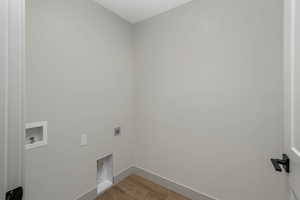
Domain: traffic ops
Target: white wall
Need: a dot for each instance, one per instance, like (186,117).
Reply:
(210,97)
(79,79)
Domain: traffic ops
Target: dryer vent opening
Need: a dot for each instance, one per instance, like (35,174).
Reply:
(104,173)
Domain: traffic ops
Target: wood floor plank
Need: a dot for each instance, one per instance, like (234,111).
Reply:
(137,188)
(133,189)
(150,186)
(175,196)
(155,196)
(115,194)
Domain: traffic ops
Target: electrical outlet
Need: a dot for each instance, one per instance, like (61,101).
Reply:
(117,131)
(83,141)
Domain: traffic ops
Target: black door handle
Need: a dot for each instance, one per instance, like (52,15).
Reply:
(285,162)
(16,194)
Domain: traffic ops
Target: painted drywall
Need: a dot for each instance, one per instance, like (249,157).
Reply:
(79,79)
(209,93)
(138,10)
(210,97)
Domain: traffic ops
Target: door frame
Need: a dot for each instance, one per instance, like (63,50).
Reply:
(3,94)
(12,91)
(289,88)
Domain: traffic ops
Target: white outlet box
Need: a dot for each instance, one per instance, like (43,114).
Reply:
(36,134)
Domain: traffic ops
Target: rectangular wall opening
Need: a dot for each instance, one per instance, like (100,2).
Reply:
(36,134)
(104,173)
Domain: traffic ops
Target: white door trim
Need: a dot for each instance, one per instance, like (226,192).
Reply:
(21,9)
(292,73)
(17,42)
(291,17)
(4,94)
(12,79)
(5,101)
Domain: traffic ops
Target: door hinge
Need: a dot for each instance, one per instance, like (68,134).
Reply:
(284,162)
(16,194)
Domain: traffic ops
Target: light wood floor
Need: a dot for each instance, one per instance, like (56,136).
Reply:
(138,188)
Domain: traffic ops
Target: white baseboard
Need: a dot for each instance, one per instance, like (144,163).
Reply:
(90,195)
(172,185)
(167,183)
(293,196)
(124,174)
